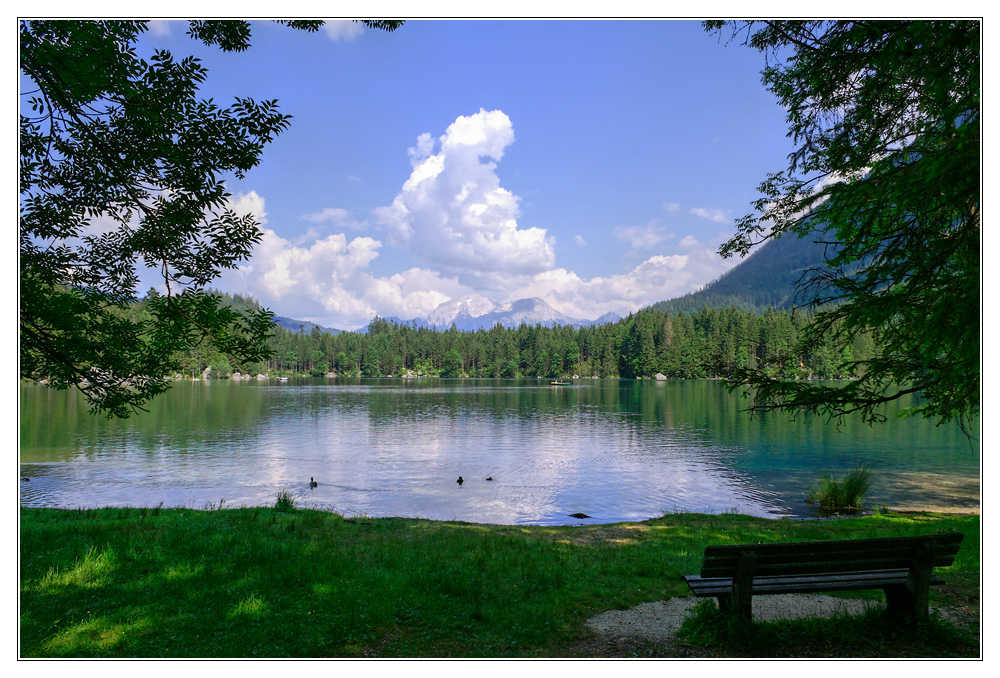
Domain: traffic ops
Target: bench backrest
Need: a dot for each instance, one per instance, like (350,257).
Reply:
(849,555)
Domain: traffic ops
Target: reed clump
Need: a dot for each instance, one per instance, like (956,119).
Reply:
(285,502)
(842,494)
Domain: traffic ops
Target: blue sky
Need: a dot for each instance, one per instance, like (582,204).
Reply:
(597,165)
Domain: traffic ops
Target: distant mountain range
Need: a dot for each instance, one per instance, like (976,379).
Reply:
(767,278)
(471,313)
(476,312)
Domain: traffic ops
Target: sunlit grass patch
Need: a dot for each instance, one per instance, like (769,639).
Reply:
(252,605)
(94,635)
(94,569)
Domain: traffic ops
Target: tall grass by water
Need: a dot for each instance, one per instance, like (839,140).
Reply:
(259,582)
(842,494)
(284,501)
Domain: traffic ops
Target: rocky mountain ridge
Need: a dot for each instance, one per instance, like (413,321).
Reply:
(476,312)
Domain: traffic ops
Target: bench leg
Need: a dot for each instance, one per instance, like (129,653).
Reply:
(727,605)
(739,602)
(898,602)
(904,604)
(911,600)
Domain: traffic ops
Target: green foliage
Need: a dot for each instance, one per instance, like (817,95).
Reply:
(452,364)
(122,165)
(885,115)
(847,493)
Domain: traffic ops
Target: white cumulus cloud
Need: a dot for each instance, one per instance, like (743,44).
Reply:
(657,278)
(643,237)
(328,281)
(337,216)
(343,30)
(161,28)
(453,214)
(715,215)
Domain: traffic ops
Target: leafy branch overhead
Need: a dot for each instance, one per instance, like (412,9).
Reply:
(885,119)
(121,165)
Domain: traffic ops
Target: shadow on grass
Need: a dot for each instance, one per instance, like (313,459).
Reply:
(842,635)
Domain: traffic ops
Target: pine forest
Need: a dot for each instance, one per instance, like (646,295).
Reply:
(707,343)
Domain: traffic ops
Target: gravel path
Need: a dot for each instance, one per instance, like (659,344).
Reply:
(659,621)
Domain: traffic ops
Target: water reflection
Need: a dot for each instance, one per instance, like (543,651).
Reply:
(613,450)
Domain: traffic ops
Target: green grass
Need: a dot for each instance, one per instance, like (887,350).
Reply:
(259,582)
(864,635)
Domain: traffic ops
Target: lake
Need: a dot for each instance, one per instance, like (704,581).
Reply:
(613,450)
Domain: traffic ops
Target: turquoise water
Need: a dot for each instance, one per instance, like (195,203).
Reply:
(613,450)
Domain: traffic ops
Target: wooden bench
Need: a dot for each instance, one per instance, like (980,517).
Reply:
(901,566)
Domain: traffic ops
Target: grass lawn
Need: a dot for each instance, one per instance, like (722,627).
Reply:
(260,582)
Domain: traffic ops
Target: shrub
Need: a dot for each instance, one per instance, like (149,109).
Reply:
(285,502)
(844,494)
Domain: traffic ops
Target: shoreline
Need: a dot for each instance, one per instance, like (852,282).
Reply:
(907,510)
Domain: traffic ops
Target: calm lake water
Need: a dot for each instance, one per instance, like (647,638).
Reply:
(614,450)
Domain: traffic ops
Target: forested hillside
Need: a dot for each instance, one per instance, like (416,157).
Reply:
(766,279)
(707,343)
(303,325)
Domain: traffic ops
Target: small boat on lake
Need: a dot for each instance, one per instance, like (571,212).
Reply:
(559,382)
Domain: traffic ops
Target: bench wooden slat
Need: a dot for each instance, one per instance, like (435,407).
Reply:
(948,543)
(876,544)
(835,585)
(716,586)
(815,567)
(718,560)
(845,555)
(878,577)
(890,544)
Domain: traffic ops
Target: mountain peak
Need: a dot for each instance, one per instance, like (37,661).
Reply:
(476,312)
(471,306)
